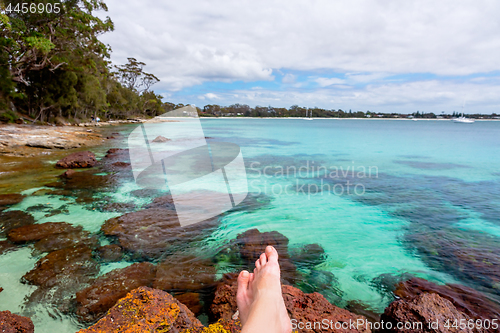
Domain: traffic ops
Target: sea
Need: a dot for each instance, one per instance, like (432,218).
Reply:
(383,198)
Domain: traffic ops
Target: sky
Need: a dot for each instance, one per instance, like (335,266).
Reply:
(382,56)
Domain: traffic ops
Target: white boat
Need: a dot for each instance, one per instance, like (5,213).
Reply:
(310,116)
(463,120)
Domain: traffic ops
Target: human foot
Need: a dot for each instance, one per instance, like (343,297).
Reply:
(260,302)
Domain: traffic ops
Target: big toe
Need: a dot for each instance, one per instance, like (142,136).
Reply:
(271,253)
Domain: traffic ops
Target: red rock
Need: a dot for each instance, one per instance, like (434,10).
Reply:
(301,307)
(10,199)
(467,300)
(252,243)
(68,174)
(71,264)
(165,202)
(36,232)
(185,272)
(110,252)
(423,311)
(95,300)
(191,300)
(147,310)
(14,219)
(121,164)
(1,289)
(149,233)
(116,151)
(314,307)
(67,239)
(6,246)
(82,159)
(12,323)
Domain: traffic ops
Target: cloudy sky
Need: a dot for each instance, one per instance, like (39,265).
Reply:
(385,55)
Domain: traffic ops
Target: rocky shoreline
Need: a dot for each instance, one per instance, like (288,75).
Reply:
(31,140)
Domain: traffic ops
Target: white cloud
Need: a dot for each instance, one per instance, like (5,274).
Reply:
(186,43)
(289,78)
(325,82)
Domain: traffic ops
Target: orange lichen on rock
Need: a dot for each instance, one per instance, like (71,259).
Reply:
(146,310)
(222,326)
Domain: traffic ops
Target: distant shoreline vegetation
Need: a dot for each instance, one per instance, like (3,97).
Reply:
(295,111)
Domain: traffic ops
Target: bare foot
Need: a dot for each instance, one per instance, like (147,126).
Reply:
(260,303)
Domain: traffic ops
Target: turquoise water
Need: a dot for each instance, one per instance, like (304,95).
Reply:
(367,191)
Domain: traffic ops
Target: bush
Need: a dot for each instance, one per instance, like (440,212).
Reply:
(8,116)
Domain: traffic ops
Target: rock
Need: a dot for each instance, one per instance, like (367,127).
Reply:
(116,153)
(82,159)
(71,265)
(467,300)
(121,164)
(68,174)
(67,239)
(185,273)
(10,199)
(425,310)
(252,243)
(224,304)
(301,307)
(191,300)
(12,323)
(160,139)
(94,301)
(165,202)
(147,310)
(14,219)
(151,232)
(109,253)
(148,193)
(1,289)
(6,246)
(40,231)
(119,207)
(309,256)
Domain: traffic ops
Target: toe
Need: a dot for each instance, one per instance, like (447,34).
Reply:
(257,264)
(263,259)
(252,276)
(243,280)
(271,253)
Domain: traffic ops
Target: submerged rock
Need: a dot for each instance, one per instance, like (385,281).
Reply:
(13,323)
(426,313)
(252,243)
(185,272)
(81,159)
(67,239)
(40,231)
(14,219)
(10,199)
(94,301)
(151,232)
(147,310)
(109,253)
(6,246)
(73,266)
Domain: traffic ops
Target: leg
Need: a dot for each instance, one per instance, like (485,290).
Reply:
(259,298)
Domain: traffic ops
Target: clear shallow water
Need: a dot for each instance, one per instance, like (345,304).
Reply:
(413,178)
